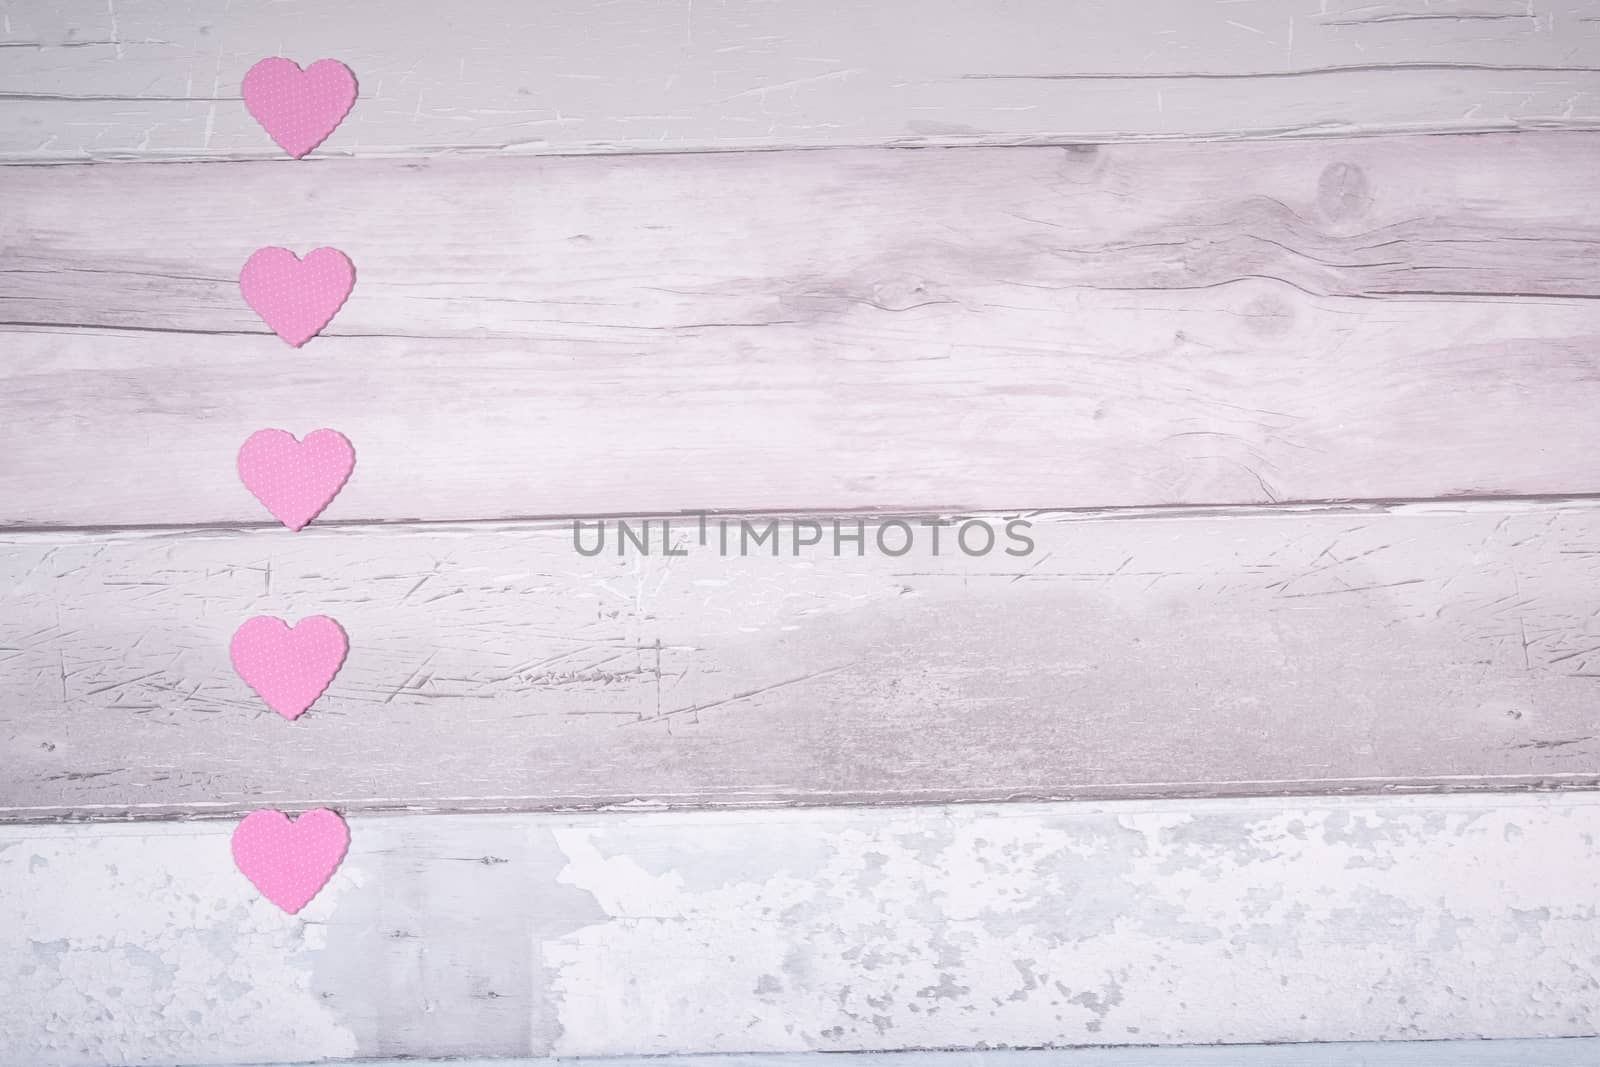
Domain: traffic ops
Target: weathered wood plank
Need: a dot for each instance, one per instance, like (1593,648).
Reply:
(1547,1052)
(148,79)
(839,929)
(494,667)
(1543,1052)
(959,328)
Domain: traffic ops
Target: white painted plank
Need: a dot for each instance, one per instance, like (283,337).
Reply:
(494,667)
(1551,1052)
(958,328)
(837,929)
(151,79)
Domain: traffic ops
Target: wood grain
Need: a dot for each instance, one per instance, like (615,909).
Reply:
(1221,321)
(833,930)
(494,667)
(965,329)
(148,79)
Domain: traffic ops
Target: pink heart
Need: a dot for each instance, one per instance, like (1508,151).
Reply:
(297,297)
(288,666)
(290,862)
(296,479)
(299,108)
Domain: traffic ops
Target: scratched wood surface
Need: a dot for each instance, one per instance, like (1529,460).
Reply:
(1267,310)
(492,666)
(834,930)
(150,79)
(970,329)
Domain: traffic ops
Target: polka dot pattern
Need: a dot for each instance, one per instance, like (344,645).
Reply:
(299,108)
(296,479)
(288,861)
(297,297)
(288,667)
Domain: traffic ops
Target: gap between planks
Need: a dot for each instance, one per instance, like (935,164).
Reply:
(1506,503)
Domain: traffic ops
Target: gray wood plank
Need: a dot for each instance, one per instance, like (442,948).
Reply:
(149,79)
(970,329)
(1288,651)
(833,930)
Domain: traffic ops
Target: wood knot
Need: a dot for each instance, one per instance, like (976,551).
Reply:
(1080,163)
(1343,192)
(1268,315)
(903,294)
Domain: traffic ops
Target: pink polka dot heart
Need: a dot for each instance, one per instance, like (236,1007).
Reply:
(297,297)
(296,479)
(299,108)
(288,666)
(290,862)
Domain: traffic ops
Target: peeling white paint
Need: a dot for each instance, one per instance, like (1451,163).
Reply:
(145,945)
(1551,1053)
(926,929)
(828,929)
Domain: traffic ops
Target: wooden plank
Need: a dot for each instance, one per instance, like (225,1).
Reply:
(840,929)
(494,667)
(1551,1052)
(980,329)
(148,79)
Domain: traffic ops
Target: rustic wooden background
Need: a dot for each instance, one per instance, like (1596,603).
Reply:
(1277,319)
